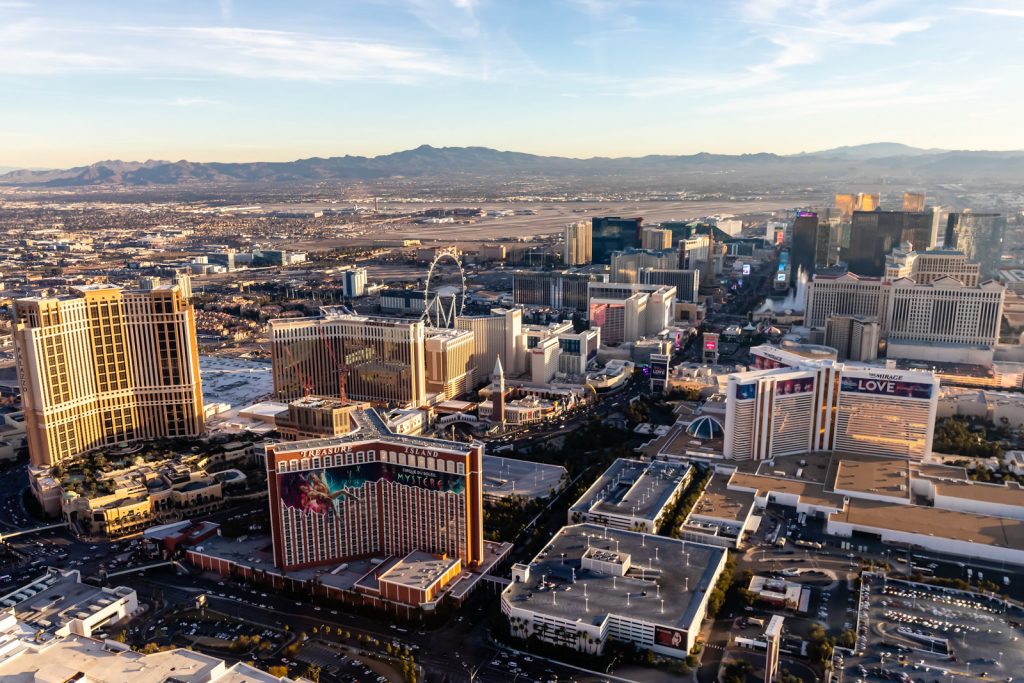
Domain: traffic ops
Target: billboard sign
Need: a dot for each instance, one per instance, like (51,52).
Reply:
(321,491)
(800,385)
(885,386)
(745,392)
(746,269)
(669,637)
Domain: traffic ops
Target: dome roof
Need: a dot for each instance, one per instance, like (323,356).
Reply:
(705,428)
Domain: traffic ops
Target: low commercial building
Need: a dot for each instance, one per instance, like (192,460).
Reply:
(721,516)
(998,407)
(590,584)
(128,501)
(778,593)
(32,651)
(57,603)
(947,531)
(509,477)
(932,507)
(632,495)
(315,417)
(418,579)
(525,410)
(407,578)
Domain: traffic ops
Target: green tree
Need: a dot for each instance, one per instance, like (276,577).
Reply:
(736,671)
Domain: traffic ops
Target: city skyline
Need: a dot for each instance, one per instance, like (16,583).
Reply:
(224,81)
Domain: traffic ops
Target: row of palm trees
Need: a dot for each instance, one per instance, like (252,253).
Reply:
(560,635)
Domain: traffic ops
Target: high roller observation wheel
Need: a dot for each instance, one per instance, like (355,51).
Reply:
(435,313)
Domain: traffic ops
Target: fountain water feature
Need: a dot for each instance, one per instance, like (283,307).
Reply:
(795,299)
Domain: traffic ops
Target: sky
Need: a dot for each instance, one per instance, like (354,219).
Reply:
(239,80)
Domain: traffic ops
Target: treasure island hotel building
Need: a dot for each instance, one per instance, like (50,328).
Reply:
(103,366)
(372,493)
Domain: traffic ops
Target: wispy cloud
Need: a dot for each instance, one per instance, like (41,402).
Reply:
(806,31)
(179,52)
(450,18)
(194,101)
(995,11)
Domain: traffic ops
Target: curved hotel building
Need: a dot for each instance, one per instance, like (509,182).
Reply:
(382,358)
(799,403)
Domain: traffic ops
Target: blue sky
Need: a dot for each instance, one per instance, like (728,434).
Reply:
(236,80)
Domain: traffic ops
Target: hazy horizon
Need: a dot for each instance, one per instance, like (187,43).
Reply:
(228,81)
(426,144)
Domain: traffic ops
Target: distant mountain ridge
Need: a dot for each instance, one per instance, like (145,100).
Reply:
(875,159)
(874,150)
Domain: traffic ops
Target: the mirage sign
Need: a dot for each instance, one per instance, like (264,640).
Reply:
(886,386)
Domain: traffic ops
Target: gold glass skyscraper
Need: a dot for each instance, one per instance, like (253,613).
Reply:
(105,366)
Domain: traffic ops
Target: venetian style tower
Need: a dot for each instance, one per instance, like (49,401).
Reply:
(498,398)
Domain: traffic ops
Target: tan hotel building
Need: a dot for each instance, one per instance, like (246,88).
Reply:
(382,358)
(105,366)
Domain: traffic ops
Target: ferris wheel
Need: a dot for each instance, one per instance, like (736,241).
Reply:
(442,303)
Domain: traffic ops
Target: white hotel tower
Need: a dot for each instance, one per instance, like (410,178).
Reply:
(798,403)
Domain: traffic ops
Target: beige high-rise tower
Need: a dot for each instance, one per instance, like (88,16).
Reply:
(578,244)
(105,366)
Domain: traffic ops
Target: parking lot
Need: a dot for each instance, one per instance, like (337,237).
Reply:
(339,663)
(918,633)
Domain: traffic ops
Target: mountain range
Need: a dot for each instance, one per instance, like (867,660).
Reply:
(875,160)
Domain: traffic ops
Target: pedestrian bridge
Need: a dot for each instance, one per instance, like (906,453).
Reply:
(33,530)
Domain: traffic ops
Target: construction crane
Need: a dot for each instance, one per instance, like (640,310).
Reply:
(341,366)
(307,385)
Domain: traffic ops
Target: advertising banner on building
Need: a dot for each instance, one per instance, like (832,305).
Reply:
(801,385)
(319,490)
(885,387)
(745,392)
(669,637)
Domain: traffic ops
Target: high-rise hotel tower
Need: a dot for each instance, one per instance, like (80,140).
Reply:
(373,493)
(381,359)
(105,366)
